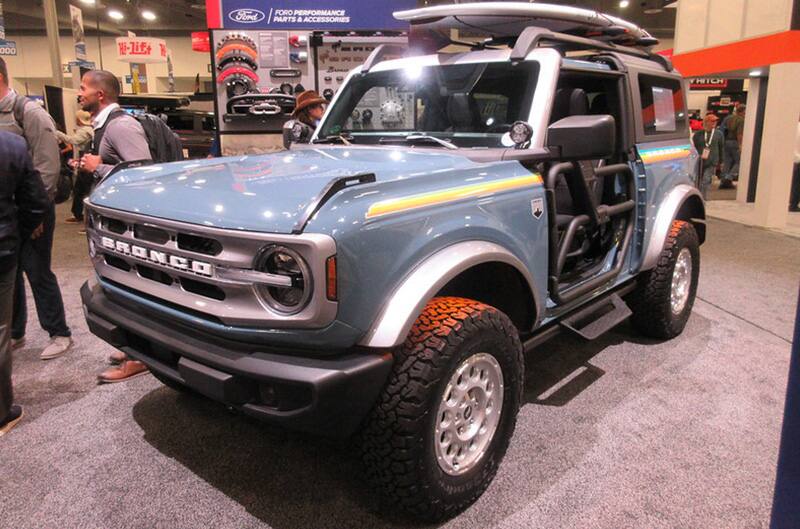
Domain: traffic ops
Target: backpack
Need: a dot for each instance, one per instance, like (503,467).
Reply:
(164,144)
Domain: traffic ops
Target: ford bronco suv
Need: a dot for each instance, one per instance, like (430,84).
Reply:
(452,211)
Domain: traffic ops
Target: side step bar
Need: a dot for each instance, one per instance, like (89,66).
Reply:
(594,320)
(589,322)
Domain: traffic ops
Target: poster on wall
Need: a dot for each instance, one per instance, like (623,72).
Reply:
(306,14)
(78,36)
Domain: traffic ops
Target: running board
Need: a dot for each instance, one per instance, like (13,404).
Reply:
(594,320)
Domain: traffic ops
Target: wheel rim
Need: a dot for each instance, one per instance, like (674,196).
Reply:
(468,414)
(681,281)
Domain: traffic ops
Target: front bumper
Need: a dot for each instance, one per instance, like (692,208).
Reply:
(328,396)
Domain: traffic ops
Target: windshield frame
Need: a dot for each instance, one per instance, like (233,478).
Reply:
(549,63)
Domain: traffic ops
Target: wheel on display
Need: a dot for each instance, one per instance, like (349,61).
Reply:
(442,425)
(236,49)
(237,60)
(664,296)
(236,38)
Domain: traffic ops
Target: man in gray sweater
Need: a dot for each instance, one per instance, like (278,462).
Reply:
(118,137)
(26,118)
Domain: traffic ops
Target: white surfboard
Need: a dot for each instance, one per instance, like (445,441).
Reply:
(507,19)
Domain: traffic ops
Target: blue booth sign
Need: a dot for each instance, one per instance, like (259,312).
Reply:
(8,48)
(310,14)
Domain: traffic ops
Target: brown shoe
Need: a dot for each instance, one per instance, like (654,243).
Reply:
(116,358)
(73,220)
(125,371)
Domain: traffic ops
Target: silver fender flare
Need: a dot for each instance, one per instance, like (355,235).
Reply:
(407,301)
(667,212)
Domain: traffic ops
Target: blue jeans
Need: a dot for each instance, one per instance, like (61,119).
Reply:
(730,169)
(35,262)
(704,179)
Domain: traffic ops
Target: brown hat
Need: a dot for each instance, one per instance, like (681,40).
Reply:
(83,118)
(307,99)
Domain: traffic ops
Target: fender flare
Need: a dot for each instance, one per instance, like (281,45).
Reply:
(668,210)
(405,304)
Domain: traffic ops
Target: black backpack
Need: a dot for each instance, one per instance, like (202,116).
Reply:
(164,144)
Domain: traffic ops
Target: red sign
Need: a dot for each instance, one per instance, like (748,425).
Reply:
(201,41)
(707,83)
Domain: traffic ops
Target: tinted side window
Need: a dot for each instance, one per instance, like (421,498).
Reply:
(662,105)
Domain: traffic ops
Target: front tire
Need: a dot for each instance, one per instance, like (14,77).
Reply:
(442,425)
(664,296)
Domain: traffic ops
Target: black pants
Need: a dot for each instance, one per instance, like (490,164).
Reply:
(81,188)
(7,280)
(34,260)
(794,193)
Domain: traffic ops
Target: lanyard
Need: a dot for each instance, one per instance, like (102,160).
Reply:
(709,137)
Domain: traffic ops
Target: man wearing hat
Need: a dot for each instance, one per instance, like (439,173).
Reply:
(308,110)
(81,142)
(709,143)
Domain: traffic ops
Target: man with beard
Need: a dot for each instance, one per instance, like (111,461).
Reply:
(118,137)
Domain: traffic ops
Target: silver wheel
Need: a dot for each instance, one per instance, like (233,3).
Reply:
(681,281)
(468,414)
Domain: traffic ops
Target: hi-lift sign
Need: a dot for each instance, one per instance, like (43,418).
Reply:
(142,48)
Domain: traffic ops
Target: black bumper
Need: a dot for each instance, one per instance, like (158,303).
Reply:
(328,396)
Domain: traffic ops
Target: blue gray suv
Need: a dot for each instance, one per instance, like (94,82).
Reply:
(451,212)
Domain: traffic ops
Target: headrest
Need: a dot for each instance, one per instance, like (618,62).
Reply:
(569,102)
(600,104)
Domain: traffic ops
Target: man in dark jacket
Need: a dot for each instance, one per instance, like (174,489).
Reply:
(23,203)
(27,119)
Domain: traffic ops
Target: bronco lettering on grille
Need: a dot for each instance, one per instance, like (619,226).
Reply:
(160,258)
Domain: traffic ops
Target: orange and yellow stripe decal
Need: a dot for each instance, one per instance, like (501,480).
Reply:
(434,198)
(665,154)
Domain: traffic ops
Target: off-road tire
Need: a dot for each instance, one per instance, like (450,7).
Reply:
(397,440)
(650,301)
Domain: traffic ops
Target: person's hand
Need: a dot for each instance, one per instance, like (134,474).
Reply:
(89,162)
(38,231)
(73,163)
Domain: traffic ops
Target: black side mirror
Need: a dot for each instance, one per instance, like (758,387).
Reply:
(583,137)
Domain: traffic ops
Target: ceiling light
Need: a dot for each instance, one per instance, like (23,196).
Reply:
(88,2)
(148,15)
(623,4)
(755,73)
(116,15)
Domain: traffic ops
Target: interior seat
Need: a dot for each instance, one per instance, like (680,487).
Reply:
(463,112)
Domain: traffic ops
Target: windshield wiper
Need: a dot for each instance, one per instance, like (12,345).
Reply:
(413,138)
(346,140)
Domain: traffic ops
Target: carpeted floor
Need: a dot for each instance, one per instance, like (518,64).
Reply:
(619,433)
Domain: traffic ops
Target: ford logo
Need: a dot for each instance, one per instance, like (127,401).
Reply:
(246,16)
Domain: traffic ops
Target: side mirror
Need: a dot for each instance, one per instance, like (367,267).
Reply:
(583,137)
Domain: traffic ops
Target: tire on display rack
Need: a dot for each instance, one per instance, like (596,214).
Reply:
(664,296)
(441,427)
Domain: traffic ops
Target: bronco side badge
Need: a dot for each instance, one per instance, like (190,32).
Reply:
(537,208)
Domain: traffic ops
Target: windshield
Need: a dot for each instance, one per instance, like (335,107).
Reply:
(468,105)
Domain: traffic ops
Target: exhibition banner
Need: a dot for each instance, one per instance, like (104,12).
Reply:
(306,14)
(143,50)
(78,36)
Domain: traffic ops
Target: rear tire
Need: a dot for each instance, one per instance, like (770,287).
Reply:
(664,296)
(438,433)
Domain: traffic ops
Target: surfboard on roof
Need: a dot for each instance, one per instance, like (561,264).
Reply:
(509,19)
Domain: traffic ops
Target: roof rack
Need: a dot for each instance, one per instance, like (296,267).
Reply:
(379,54)
(533,37)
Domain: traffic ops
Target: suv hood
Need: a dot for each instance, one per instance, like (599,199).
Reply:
(266,193)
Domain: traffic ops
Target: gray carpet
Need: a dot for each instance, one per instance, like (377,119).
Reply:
(623,432)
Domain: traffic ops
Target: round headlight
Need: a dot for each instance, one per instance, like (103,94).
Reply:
(521,132)
(282,261)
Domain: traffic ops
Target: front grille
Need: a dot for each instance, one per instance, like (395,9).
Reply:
(202,289)
(154,275)
(116,262)
(198,244)
(114,225)
(150,234)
